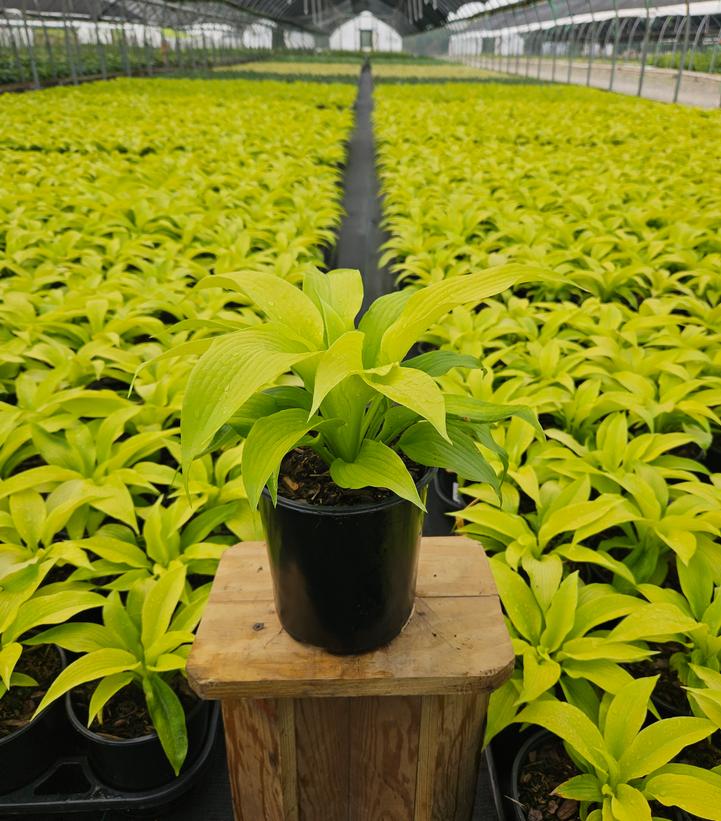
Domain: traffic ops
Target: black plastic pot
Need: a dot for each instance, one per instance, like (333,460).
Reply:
(446,486)
(136,764)
(344,577)
(29,750)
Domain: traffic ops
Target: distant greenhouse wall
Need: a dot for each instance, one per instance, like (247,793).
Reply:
(43,42)
(347,37)
(664,51)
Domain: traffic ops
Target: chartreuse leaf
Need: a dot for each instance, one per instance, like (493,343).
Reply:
(380,316)
(268,442)
(343,358)
(105,690)
(98,664)
(626,714)
(119,623)
(376,466)
(570,724)
(596,515)
(188,615)
(414,390)
(518,601)
(27,510)
(205,523)
(168,662)
(629,804)
(693,789)
(653,621)
(160,603)
(579,553)
(429,304)
(51,609)
(9,656)
(438,363)
(17,587)
(475,410)
(78,637)
(227,375)
(501,709)
(585,787)
(168,718)
(341,289)
(276,298)
(116,550)
(426,446)
(599,604)
(545,575)
(593,647)
(560,614)
(658,743)
(167,642)
(539,675)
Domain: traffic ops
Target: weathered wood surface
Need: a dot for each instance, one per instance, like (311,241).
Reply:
(388,758)
(393,735)
(456,641)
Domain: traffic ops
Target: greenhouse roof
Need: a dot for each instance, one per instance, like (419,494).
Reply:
(324,16)
(499,15)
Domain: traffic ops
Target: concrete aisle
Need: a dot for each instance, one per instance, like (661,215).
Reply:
(360,235)
(659,84)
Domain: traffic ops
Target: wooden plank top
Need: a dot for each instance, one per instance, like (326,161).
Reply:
(455,642)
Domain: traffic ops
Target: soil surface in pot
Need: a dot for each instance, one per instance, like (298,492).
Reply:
(126,714)
(546,767)
(19,703)
(305,477)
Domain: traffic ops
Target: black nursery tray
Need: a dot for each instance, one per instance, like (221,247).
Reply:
(69,786)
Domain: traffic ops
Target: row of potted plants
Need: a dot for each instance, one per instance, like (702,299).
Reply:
(605,539)
(109,217)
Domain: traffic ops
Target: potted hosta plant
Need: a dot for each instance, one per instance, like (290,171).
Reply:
(27,744)
(611,768)
(140,723)
(342,435)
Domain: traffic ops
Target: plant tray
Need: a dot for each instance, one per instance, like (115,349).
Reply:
(70,786)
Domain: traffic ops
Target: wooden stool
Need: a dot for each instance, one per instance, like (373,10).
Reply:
(392,735)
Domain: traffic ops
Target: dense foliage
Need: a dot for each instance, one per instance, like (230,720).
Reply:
(352,397)
(110,214)
(606,546)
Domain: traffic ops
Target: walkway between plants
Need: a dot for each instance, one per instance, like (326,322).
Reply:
(360,235)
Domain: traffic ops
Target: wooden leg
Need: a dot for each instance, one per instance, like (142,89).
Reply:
(260,742)
(451,740)
(388,758)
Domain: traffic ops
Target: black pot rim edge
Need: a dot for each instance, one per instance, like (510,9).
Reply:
(452,505)
(518,761)
(349,510)
(26,727)
(97,738)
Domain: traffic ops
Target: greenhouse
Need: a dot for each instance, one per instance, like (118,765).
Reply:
(360,410)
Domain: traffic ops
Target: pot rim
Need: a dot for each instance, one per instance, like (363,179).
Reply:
(97,738)
(26,727)
(447,500)
(348,510)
